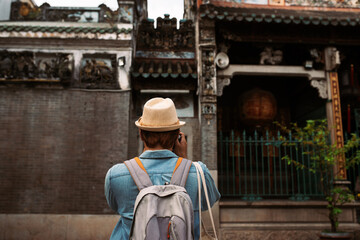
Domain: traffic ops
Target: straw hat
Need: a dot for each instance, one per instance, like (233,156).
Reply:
(159,115)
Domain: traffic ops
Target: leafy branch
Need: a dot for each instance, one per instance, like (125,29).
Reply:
(324,156)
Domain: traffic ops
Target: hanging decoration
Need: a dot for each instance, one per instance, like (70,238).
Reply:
(257,107)
(348,119)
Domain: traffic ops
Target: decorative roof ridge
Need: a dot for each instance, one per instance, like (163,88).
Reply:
(65,24)
(281,15)
(101,33)
(181,56)
(75,8)
(24,28)
(166,22)
(327,8)
(21,10)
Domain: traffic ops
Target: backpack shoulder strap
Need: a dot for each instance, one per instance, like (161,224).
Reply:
(138,173)
(181,172)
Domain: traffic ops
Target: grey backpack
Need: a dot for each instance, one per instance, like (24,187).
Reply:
(162,211)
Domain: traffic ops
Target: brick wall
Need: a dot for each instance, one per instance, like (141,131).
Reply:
(56,147)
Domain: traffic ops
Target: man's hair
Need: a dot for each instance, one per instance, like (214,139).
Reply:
(165,139)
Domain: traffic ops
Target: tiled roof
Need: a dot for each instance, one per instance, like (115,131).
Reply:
(164,69)
(290,15)
(318,4)
(24,28)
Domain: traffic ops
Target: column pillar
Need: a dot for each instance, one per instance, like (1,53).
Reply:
(206,46)
(207,91)
(208,102)
(333,107)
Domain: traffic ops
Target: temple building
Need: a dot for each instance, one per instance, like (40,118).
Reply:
(266,61)
(73,82)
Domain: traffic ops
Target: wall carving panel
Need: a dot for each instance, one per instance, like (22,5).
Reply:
(22,11)
(319,3)
(208,109)
(33,67)
(230,234)
(98,71)
(208,71)
(207,33)
(271,57)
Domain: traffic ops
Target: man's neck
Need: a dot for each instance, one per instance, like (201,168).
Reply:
(146,148)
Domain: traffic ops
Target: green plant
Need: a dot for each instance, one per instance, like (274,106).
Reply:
(324,156)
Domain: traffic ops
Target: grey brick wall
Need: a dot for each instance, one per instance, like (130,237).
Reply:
(56,147)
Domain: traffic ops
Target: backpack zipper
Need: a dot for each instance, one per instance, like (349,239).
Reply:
(168,235)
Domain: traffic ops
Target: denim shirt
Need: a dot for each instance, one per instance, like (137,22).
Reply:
(121,191)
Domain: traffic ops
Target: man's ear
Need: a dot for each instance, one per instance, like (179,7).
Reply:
(141,136)
(177,137)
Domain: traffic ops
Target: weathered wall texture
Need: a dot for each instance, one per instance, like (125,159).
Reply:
(56,147)
(56,226)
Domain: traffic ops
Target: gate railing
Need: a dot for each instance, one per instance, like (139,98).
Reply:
(251,167)
(353,173)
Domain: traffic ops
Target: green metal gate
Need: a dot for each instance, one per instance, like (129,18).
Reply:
(251,168)
(353,173)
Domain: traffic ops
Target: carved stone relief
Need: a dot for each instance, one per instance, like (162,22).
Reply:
(29,66)
(21,11)
(317,3)
(221,83)
(207,31)
(208,99)
(208,71)
(208,110)
(207,34)
(126,13)
(271,57)
(317,55)
(98,71)
(321,86)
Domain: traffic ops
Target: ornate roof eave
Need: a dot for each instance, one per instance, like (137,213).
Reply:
(165,81)
(281,14)
(165,75)
(157,68)
(64,30)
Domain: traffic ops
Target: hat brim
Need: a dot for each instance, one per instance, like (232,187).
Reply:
(160,128)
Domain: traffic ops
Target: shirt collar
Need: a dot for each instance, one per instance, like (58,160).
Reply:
(158,154)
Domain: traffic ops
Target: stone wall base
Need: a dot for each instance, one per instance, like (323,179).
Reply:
(56,226)
(278,234)
(282,220)
(98,227)
(227,234)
